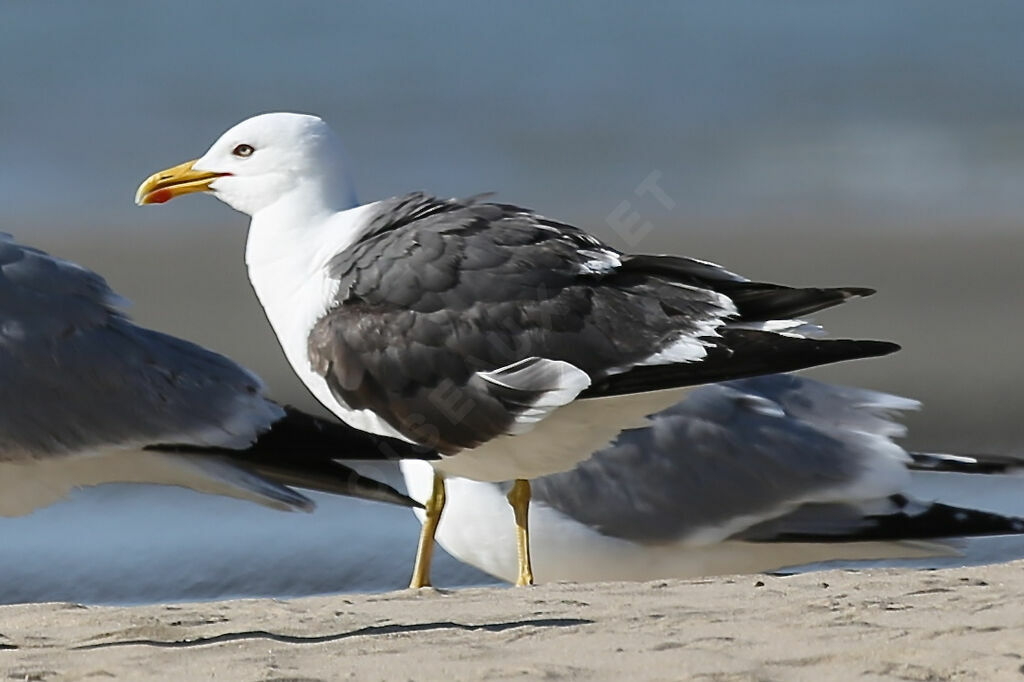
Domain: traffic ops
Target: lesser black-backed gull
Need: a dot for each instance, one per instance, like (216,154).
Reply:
(515,344)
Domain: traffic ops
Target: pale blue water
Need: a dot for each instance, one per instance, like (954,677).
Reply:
(130,544)
(751,113)
(910,109)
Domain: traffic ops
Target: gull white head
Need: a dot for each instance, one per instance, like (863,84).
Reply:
(260,162)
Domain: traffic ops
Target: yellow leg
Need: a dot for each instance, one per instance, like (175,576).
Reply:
(425,551)
(519,498)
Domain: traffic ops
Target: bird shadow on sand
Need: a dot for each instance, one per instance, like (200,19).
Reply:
(372,630)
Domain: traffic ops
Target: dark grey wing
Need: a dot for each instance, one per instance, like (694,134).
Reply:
(725,459)
(78,375)
(437,294)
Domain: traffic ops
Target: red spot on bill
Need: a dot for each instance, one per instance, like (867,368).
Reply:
(160,196)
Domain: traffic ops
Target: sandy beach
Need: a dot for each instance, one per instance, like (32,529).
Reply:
(962,624)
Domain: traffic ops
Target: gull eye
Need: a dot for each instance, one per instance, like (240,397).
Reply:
(243,150)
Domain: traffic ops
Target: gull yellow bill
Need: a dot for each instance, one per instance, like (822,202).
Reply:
(167,184)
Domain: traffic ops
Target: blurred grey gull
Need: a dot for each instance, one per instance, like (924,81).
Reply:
(745,476)
(89,398)
(514,344)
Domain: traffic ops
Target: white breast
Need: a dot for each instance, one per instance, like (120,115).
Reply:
(288,270)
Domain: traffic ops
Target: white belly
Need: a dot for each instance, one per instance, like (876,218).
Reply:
(568,436)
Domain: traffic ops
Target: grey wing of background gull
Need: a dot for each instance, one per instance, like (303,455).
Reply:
(843,407)
(77,374)
(83,390)
(738,455)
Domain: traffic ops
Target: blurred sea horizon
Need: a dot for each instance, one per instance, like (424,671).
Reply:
(745,109)
(865,143)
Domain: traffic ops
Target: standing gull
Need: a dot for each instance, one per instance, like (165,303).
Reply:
(514,344)
(744,476)
(89,398)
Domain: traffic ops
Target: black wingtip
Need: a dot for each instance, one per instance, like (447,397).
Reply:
(912,520)
(326,476)
(858,292)
(301,450)
(874,349)
(738,354)
(344,480)
(755,301)
(966,463)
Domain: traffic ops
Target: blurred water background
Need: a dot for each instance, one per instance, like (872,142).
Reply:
(870,143)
